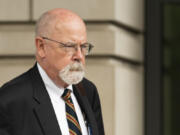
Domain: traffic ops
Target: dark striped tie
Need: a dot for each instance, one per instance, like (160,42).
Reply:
(74,127)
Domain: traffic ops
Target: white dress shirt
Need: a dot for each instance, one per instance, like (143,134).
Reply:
(58,103)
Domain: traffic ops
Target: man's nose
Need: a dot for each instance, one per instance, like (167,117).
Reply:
(78,55)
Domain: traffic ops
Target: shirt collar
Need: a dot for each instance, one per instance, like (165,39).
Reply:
(51,87)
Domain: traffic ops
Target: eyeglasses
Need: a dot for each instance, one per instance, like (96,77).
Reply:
(72,48)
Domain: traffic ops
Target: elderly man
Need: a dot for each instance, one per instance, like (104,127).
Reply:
(53,97)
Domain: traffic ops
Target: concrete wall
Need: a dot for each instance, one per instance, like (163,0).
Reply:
(115,27)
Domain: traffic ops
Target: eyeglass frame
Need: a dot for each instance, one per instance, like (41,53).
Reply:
(73,46)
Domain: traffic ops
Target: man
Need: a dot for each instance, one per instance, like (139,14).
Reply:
(53,97)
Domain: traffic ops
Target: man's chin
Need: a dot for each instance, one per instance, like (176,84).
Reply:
(71,82)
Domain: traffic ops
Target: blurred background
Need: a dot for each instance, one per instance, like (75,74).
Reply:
(134,64)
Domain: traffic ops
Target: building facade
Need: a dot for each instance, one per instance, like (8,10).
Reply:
(115,28)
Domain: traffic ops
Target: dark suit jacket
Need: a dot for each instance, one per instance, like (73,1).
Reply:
(26,109)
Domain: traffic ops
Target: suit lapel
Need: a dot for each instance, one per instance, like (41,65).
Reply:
(86,108)
(43,109)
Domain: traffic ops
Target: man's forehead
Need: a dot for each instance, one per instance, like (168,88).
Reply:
(65,24)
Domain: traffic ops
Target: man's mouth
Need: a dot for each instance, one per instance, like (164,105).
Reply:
(75,69)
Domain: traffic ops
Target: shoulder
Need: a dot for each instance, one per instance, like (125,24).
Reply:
(89,87)
(88,84)
(91,90)
(17,81)
(15,87)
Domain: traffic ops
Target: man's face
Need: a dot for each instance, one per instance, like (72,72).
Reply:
(57,57)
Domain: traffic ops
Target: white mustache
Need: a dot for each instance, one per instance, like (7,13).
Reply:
(76,67)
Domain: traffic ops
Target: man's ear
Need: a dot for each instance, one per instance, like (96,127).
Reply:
(40,47)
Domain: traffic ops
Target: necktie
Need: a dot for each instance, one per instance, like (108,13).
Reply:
(74,127)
